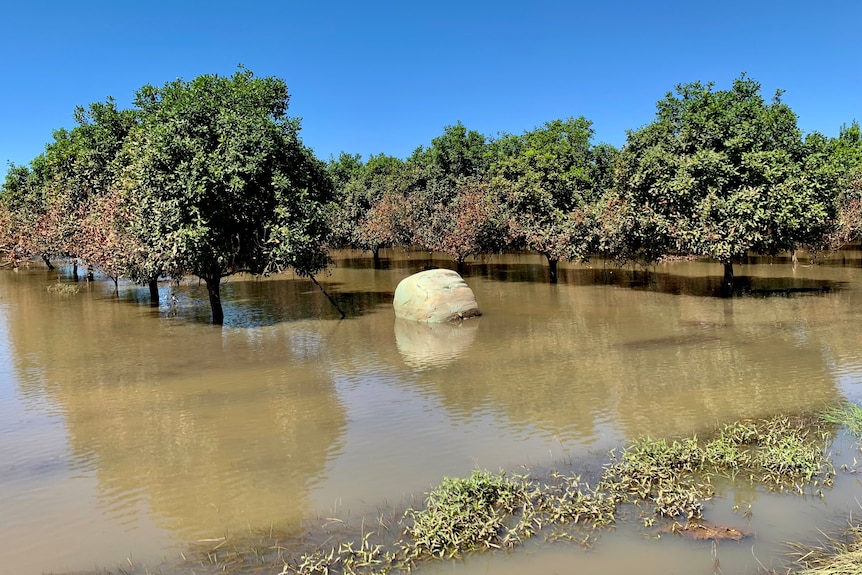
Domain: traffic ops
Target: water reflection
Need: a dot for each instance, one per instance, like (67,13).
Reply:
(425,345)
(251,302)
(210,430)
(269,420)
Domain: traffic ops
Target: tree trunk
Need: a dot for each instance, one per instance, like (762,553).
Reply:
(90,273)
(376,255)
(459,266)
(47,262)
(552,266)
(75,269)
(727,282)
(154,291)
(116,287)
(215,298)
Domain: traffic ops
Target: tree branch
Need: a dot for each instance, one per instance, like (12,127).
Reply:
(332,301)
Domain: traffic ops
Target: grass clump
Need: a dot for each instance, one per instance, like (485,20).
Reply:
(834,556)
(848,414)
(780,452)
(486,511)
(790,453)
(675,476)
(565,500)
(466,514)
(662,473)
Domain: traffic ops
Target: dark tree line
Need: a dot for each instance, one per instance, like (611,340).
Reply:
(209,178)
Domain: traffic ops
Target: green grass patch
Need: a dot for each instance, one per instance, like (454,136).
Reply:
(848,415)
(464,514)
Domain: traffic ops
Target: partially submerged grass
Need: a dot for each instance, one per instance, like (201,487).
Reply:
(64,288)
(676,477)
(666,480)
(478,512)
(848,414)
(839,555)
(488,511)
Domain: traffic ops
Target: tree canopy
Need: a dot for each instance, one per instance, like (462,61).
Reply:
(209,178)
(220,182)
(718,174)
(554,176)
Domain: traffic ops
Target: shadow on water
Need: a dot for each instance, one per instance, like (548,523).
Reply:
(655,280)
(258,302)
(660,279)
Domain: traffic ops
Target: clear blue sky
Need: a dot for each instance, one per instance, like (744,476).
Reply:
(386,77)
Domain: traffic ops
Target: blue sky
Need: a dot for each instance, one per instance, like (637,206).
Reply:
(386,77)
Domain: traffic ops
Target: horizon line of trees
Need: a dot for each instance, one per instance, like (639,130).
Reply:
(209,178)
(718,174)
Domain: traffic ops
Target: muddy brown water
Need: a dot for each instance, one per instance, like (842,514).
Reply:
(128,432)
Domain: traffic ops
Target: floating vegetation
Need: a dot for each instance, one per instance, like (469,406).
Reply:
(667,481)
(64,288)
(703,531)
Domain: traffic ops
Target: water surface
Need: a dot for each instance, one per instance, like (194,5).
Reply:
(129,431)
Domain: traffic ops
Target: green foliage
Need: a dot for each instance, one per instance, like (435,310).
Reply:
(849,415)
(465,514)
(21,203)
(51,205)
(780,453)
(461,221)
(457,153)
(220,183)
(209,178)
(843,161)
(369,198)
(554,178)
(718,173)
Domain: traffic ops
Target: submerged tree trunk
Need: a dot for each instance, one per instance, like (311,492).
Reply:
(213,283)
(727,282)
(47,262)
(90,272)
(375,253)
(154,291)
(552,266)
(459,266)
(75,269)
(116,286)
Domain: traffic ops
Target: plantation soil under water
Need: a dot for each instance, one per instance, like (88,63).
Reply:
(129,432)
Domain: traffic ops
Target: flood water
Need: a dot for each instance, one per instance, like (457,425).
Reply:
(129,432)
